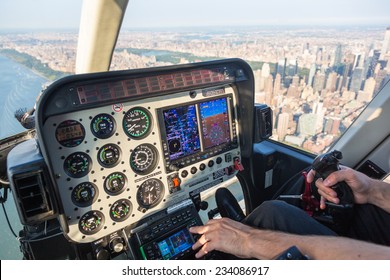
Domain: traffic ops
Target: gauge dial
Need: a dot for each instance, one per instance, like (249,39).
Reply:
(70,133)
(84,194)
(143,159)
(103,126)
(109,155)
(77,165)
(115,183)
(121,210)
(91,222)
(137,123)
(150,193)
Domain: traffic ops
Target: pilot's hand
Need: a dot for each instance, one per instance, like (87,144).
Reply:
(358,182)
(224,235)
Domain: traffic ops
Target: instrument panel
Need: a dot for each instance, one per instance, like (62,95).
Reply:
(116,163)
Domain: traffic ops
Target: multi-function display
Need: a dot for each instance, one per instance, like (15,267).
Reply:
(182,132)
(197,131)
(215,122)
(175,244)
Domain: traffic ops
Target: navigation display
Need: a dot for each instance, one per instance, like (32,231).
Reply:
(182,134)
(214,119)
(175,244)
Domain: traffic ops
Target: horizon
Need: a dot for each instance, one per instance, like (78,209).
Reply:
(65,14)
(203,28)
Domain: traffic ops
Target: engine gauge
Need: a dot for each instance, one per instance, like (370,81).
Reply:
(137,123)
(84,194)
(150,193)
(109,155)
(91,222)
(77,165)
(103,126)
(70,133)
(121,210)
(144,159)
(115,183)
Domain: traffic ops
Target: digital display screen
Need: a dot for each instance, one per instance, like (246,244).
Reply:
(214,119)
(70,133)
(182,133)
(175,244)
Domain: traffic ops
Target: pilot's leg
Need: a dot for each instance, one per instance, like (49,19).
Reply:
(279,215)
(370,223)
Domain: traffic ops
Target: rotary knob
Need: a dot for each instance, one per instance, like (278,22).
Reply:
(117,245)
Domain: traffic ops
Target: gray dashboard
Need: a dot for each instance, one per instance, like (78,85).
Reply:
(122,146)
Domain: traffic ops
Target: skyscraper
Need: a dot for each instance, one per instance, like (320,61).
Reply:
(283,120)
(312,72)
(277,84)
(281,67)
(358,60)
(331,82)
(308,124)
(373,62)
(319,82)
(369,86)
(268,89)
(338,55)
(386,42)
(265,70)
(356,81)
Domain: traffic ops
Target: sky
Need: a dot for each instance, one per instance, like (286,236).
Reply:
(59,14)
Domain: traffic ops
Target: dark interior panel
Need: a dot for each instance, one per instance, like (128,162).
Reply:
(275,164)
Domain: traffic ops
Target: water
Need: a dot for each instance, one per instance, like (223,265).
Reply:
(19,87)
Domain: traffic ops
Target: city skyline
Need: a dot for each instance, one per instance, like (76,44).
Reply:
(44,14)
(317,81)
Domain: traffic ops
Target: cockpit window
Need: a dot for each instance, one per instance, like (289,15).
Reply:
(317,66)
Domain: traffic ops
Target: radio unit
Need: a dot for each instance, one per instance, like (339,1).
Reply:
(168,238)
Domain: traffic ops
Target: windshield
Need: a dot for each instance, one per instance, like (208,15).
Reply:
(317,64)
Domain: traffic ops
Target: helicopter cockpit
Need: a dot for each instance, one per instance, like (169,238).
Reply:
(121,158)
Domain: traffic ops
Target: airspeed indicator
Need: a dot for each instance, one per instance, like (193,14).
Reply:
(137,123)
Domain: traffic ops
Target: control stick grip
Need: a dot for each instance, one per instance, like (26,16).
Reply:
(328,163)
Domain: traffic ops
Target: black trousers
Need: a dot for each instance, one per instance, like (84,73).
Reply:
(370,223)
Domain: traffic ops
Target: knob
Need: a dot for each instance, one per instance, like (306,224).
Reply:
(184,173)
(117,245)
(204,205)
(102,254)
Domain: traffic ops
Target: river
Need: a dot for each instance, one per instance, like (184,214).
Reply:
(19,87)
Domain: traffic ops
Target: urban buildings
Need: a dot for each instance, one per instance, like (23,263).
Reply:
(316,80)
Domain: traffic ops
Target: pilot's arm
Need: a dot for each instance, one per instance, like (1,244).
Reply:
(243,241)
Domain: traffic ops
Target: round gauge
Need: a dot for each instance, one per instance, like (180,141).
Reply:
(103,126)
(77,165)
(150,193)
(109,155)
(137,123)
(70,133)
(91,222)
(121,210)
(115,183)
(84,194)
(144,159)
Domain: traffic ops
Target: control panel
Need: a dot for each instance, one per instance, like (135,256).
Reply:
(117,163)
(167,238)
(123,161)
